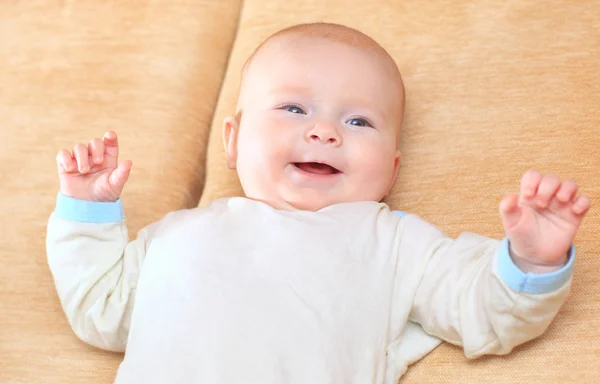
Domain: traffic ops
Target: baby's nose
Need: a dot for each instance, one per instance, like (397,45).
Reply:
(324,138)
(325,134)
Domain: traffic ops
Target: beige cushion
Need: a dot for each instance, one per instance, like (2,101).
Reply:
(69,70)
(494,88)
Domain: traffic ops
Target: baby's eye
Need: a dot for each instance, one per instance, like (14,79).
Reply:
(293,109)
(359,122)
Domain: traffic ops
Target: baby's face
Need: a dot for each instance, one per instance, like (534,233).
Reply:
(319,125)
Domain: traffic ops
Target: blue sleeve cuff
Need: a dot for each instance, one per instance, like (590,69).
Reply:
(400,213)
(533,283)
(70,208)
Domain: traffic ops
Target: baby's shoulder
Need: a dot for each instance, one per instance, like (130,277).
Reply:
(365,213)
(217,209)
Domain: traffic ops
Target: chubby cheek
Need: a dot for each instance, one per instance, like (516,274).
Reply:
(262,148)
(375,167)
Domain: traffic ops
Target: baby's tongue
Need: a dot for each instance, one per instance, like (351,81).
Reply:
(322,169)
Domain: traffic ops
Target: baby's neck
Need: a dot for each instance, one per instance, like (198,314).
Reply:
(282,205)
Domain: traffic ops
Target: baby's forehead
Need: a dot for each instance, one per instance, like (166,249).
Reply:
(291,49)
(285,45)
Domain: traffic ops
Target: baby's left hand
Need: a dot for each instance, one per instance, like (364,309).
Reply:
(541,223)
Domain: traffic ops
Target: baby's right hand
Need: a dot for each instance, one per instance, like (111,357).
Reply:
(92,172)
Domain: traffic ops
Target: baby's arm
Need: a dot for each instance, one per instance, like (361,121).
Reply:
(94,267)
(471,291)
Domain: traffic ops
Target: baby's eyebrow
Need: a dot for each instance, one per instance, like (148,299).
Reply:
(291,89)
(371,105)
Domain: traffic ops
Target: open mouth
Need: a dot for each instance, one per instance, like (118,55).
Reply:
(317,168)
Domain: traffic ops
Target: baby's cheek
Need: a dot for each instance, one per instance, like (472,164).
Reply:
(375,157)
(279,151)
(377,165)
(254,146)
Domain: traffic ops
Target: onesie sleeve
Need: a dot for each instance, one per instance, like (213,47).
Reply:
(95,268)
(467,290)
(536,283)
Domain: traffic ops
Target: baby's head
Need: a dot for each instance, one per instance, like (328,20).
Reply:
(318,118)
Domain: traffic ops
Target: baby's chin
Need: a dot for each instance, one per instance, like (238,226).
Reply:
(298,203)
(312,202)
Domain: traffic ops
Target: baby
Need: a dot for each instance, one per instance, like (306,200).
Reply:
(309,278)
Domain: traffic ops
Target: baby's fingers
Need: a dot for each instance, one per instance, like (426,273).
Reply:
(81,155)
(530,183)
(581,205)
(64,161)
(567,191)
(111,143)
(547,189)
(96,150)
(119,176)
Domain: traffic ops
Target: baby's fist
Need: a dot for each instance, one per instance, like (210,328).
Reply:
(92,172)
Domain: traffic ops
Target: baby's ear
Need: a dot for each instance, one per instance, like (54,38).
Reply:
(397,161)
(230,134)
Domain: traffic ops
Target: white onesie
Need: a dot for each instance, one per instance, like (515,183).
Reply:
(239,292)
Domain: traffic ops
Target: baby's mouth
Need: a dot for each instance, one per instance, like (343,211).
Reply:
(317,168)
